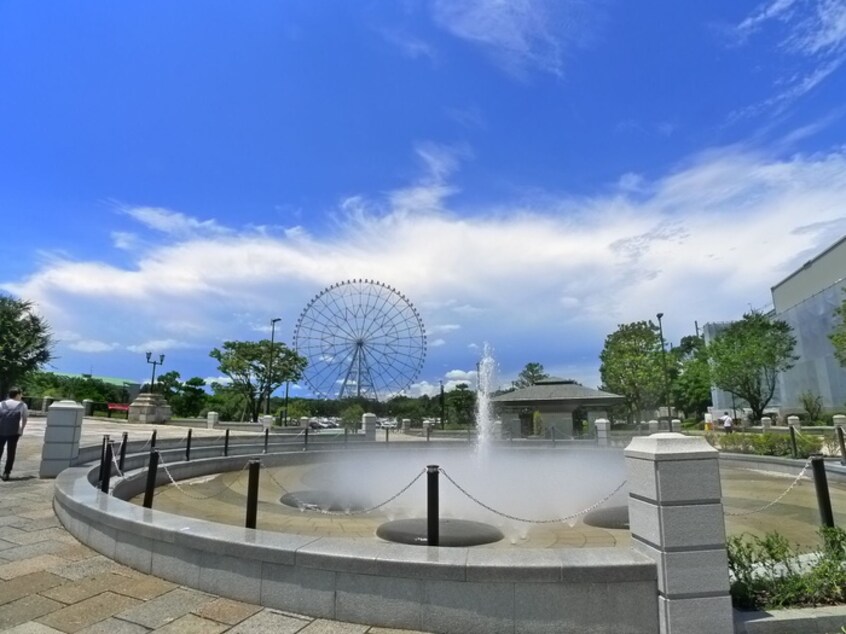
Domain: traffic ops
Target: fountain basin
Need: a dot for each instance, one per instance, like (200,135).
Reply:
(362,580)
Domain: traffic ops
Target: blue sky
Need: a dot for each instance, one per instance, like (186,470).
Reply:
(530,173)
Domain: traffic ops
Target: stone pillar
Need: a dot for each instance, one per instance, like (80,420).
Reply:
(406,424)
(61,438)
(266,422)
(87,407)
(676,424)
(794,420)
(149,408)
(304,421)
(676,519)
(368,424)
(838,420)
(211,419)
(767,423)
(603,427)
(653,426)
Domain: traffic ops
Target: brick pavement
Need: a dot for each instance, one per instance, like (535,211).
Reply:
(50,583)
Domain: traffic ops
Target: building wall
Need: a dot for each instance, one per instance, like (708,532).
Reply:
(817,370)
(816,275)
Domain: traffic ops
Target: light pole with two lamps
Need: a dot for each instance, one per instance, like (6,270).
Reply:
(666,376)
(154,363)
(270,363)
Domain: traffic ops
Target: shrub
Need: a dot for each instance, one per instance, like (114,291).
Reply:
(813,405)
(768,573)
(767,444)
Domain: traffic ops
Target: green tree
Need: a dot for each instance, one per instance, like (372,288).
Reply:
(228,401)
(747,356)
(247,364)
(631,367)
(25,341)
(299,408)
(838,334)
(351,416)
(692,377)
(529,375)
(461,403)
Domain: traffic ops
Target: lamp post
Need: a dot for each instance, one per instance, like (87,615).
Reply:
(154,363)
(443,405)
(270,363)
(666,376)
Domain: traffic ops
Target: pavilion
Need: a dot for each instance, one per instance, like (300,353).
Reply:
(556,399)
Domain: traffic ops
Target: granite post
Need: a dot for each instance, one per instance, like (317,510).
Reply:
(766,423)
(676,519)
(603,428)
(61,438)
(368,424)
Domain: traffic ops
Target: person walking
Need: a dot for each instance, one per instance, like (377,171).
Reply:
(727,422)
(13,417)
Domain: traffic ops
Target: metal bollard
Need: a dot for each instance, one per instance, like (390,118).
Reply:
(153,440)
(432,495)
(188,446)
(226,443)
(266,438)
(102,457)
(842,445)
(123,443)
(346,435)
(305,439)
(387,434)
(793,441)
(821,485)
(552,430)
(428,432)
(252,494)
(152,468)
(106,474)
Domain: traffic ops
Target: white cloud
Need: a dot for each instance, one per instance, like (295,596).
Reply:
(814,30)
(518,34)
(92,345)
(173,222)
(124,240)
(461,376)
(700,243)
(437,343)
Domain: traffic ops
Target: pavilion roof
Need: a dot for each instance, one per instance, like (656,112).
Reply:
(554,389)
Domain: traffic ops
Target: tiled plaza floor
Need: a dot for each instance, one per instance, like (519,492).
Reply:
(50,583)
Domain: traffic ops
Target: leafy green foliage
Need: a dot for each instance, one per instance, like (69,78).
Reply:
(768,444)
(461,404)
(747,356)
(256,370)
(74,388)
(838,334)
(691,383)
(813,405)
(767,572)
(632,366)
(25,342)
(351,416)
(186,399)
(531,374)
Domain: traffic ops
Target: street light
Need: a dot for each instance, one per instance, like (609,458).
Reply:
(270,363)
(154,363)
(666,376)
(443,406)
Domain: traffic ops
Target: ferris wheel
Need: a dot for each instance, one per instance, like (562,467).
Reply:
(361,338)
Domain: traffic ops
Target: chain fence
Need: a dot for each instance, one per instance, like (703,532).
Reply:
(566,519)
(792,486)
(195,496)
(313,507)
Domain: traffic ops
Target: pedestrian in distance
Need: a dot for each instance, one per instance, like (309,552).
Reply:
(13,417)
(727,422)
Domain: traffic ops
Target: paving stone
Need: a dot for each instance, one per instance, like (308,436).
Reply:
(192,624)
(114,626)
(32,583)
(85,613)
(26,609)
(76,591)
(48,547)
(322,626)
(85,568)
(144,588)
(227,611)
(166,608)
(74,551)
(270,622)
(388,630)
(15,569)
(31,627)
(35,536)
